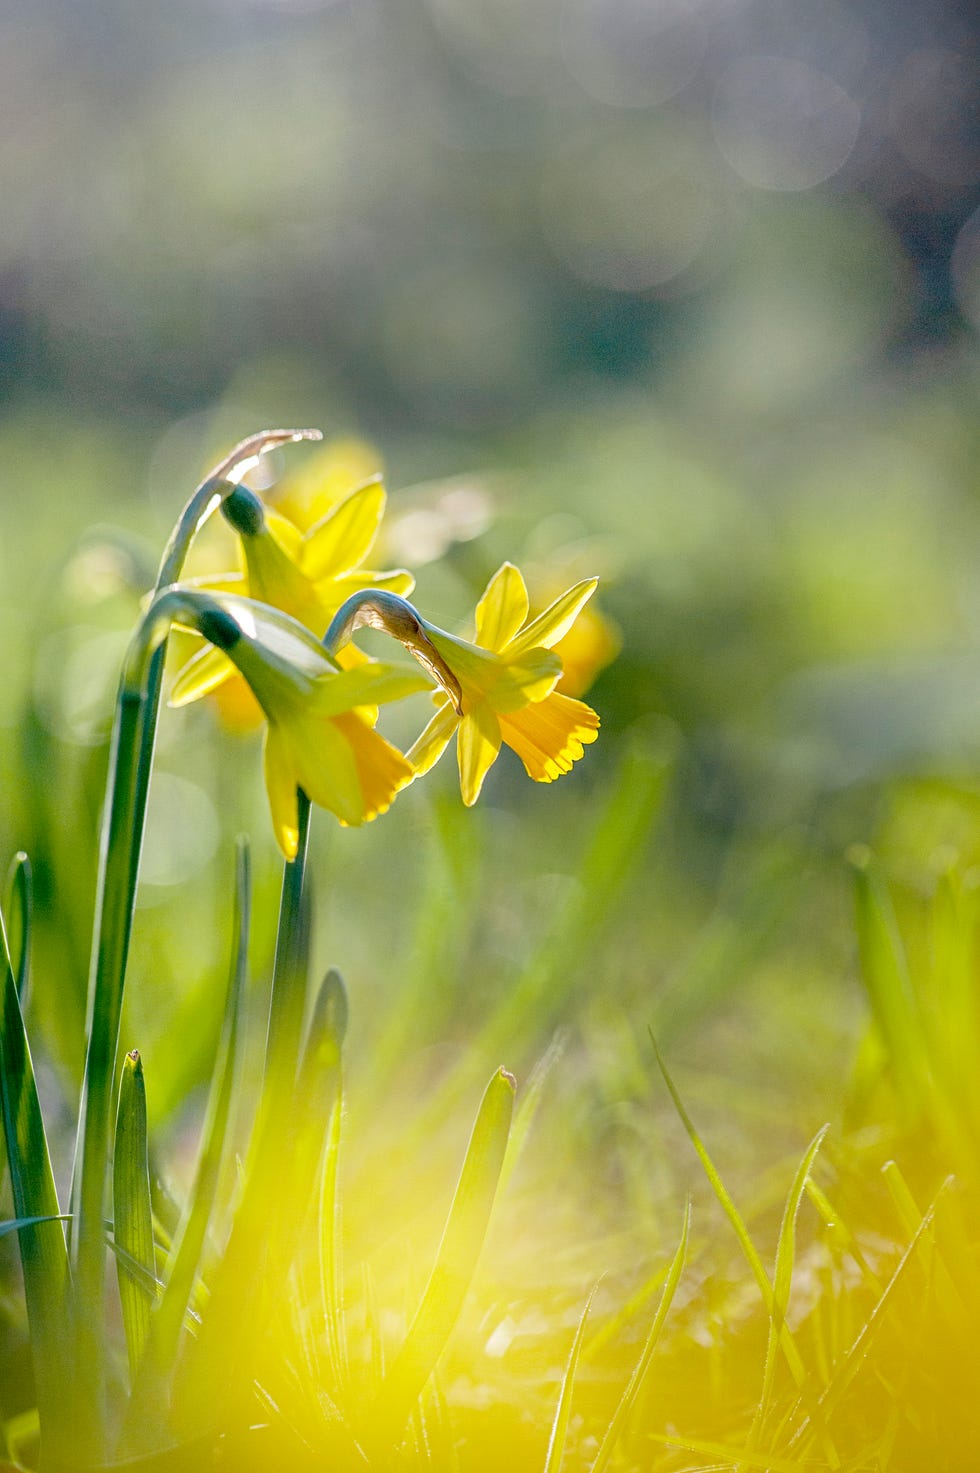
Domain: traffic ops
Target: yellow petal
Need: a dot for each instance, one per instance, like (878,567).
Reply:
(429,747)
(381,769)
(204,672)
(502,609)
(395,580)
(342,539)
(280,784)
(530,678)
(324,765)
(323,479)
(217,583)
(289,537)
(369,684)
(549,627)
(275,578)
(476,750)
(549,736)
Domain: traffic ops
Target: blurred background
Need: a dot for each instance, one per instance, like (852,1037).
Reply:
(682,292)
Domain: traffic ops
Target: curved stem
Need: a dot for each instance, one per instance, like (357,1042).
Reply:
(130,763)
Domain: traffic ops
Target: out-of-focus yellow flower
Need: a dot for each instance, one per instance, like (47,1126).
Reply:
(592,643)
(318,736)
(306,574)
(500,689)
(308,493)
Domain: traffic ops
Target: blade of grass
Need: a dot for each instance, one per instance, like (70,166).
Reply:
(850,1365)
(625,1315)
(884,969)
(731,1456)
(14,1224)
(782,1284)
(615,1429)
(562,960)
(170,1312)
(455,1263)
(132,1213)
(18,909)
(950,1299)
(836,1225)
(563,1411)
(250,1280)
(43,1254)
(787,1343)
(331,1246)
(623,828)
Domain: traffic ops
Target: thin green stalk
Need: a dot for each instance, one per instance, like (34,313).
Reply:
(41,1238)
(287,1005)
(559,1426)
(19,908)
(132,1216)
(147,1406)
(117,869)
(462,1239)
(130,764)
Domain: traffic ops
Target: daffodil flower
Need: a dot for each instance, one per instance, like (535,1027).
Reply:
(318,736)
(307,575)
(500,689)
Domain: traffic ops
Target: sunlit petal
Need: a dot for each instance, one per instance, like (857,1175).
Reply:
(477,746)
(280,785)
(502,609)
(429,747)
(556,620)
(203,672)
(368,684)
(325,768)
(530,678)
(344,537)
(549,736)
(396,580)
(381,769)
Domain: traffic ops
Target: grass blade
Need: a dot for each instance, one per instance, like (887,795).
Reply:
(786,1341)
(18,909)
(132,1213)
(850,1365)
(785,1259)
(559,1427)
(168,1316)
(14,1224)
(43,1254)
(455,1263)
(331,1245)
(250,1281)
(884,969)
(623,829)
(614,1431)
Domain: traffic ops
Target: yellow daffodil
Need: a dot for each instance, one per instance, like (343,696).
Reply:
(308,575)
(318,736)
(500,689)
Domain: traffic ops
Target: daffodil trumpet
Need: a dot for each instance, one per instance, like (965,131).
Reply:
(498,690)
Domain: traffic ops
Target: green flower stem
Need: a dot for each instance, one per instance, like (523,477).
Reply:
(130,764)
(287,1005)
